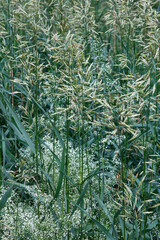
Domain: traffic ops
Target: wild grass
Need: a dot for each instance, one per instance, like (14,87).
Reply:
(80,119)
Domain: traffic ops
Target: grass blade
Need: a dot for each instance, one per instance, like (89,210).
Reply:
(5,198)
(61,173)
(106,212)
(80,199)
(98,224)
(19,125)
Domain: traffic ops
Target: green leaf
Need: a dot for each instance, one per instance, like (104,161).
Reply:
(99,225)
(60,174)
(5,198)
(153,224)
(151,128)
(55,157)
(103,207)
(4,154)
(48,178)
(19,125)
(103,229)
(117,213)
(92,174)
(110,77)
(46,114)
(80,199)
(106,212)
(123,227)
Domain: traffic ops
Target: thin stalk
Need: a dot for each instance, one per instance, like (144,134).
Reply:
(99,175)
(10,48)
(156,124)
(36,93)
(82,167)
(88,170)
(143,143)
(81,154)
(125,164)
(16,224)
(67,165)
(80,174)
(82,151)
(123,192)
(146,155)
(36,98)
(1,166)
(53,175)
(42,166)
(3,154)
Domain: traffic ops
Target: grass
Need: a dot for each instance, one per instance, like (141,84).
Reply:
(80,120)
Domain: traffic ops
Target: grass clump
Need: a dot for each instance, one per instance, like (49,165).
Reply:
(80,119)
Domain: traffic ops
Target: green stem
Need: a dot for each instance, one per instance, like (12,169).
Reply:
(36,93)
(67,164)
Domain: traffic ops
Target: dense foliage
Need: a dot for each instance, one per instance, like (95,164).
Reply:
(79,119)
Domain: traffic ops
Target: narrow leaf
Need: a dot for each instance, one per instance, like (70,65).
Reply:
(5,198)
(80,199)
(60,174)
(99,225)
(19,125)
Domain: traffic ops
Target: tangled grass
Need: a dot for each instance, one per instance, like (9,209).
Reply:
(80,119)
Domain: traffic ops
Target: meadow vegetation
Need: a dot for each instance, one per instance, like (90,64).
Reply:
(79,119)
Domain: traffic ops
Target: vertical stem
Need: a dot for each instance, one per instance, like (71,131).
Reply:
(10,47)
(3,154)
(143,142)
(36,98)
(67,164)
(1,166)
(16,224)
(36,91)
(90,185)
(80,170)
